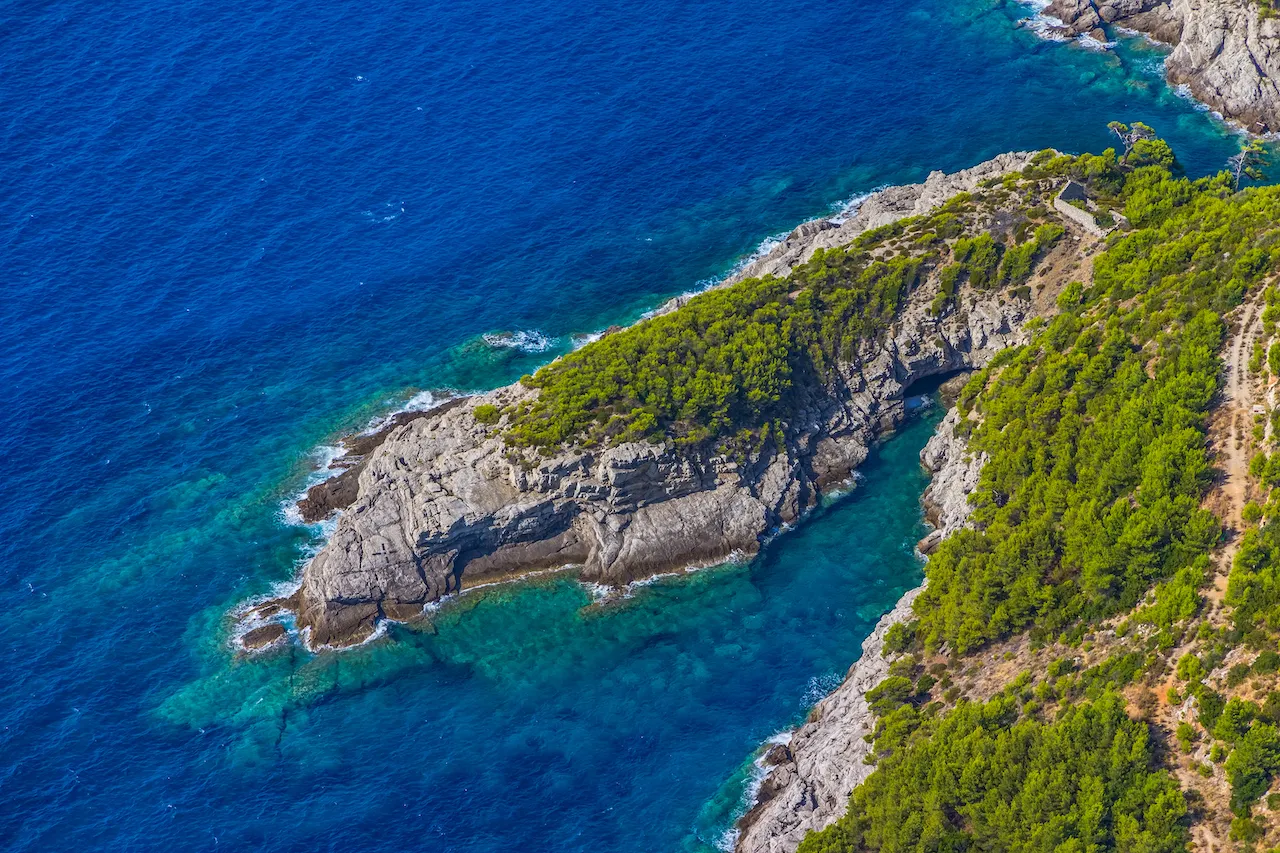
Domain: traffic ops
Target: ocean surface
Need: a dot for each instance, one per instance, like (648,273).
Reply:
(233,231)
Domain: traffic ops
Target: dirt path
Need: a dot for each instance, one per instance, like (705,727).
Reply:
(1230,434)
(1233,425)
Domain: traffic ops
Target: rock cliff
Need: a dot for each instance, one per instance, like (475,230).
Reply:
(442,504)
(1225,51)
(812,776)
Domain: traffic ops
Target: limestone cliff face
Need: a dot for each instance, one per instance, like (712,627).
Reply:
(811,778)
(1225,52)
(443,504)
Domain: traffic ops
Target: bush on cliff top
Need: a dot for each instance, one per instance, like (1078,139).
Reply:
(726,360)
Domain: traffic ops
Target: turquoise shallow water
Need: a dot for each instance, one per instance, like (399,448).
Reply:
(233,231)
(541,717)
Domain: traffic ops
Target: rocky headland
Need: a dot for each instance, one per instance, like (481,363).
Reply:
(1226,52)
(439,502)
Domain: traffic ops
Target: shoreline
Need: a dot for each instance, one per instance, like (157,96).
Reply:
(325,501)
(331,455)
(1223,54)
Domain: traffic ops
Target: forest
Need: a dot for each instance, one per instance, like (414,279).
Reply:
(1090,508)
(987,777)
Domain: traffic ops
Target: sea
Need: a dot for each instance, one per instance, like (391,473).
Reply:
(232,232)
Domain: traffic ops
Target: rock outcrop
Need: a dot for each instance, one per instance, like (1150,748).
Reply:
(443,504)
(1224,51)
(812,777)
(341,490)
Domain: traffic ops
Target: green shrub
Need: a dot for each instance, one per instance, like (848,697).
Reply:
(1237,674)
(486,413)
(898,638)
(1267,662)
(724,365)
(1186,735)
(1252,764)
(891,693)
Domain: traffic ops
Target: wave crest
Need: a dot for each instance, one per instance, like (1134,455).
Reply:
(530,340)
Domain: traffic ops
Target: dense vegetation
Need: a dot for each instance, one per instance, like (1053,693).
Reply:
(1095,431)
(729,365)
(1089,505)
(727,359)
(983,777)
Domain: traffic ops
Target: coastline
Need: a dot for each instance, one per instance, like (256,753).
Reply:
(1224,54)
(320,499)
(343,596)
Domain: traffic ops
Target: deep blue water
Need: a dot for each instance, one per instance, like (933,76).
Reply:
(233,230)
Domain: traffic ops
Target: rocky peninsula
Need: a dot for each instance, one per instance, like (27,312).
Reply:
(440,502)
(1226,52)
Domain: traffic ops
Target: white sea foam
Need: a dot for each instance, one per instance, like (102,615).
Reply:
(847,209)
(846,487)
(1088,42)
(821,686)
(598,591)
(246,620)
(1182,90)
(676,301)
(767,245)
(759,772)
(581,339)
(422,401)
(602,592)
(389,212)
(530,340)
(844,211)
(1138,34)
(1046,27)
(321,458)
(379,631)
